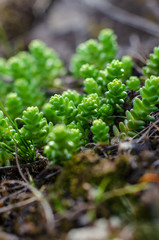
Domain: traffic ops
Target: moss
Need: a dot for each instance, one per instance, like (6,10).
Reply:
(83,168)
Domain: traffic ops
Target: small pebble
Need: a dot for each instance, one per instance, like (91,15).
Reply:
(97,232)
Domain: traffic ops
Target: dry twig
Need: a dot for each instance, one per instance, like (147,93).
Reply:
(17,205)
(39,197)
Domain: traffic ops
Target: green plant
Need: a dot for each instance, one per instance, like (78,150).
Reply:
(114,70)
(27,73)
(89,71)
(47,62)
(6,134)
(50,114)
(4,67)
(127,65)
(64,107)
(139,114)
(100,131)
(22,66)
(6,158)
(30,94)
(13,105)
(133,83)
(95,52)
(105,111)
(97,81)
(35,126)
(73,96)
(91,86)
(116,93)
(41,64)
(88,109)
(83,131)
(5,88)
(72,119)
(152,64)
(10,139)
(63,142)
(5,83)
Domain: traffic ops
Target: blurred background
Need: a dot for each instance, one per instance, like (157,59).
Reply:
(63,24)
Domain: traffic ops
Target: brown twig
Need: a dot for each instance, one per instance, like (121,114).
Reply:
(148,130)
(18,166)
(46,207)
(12,195)
(18,205)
